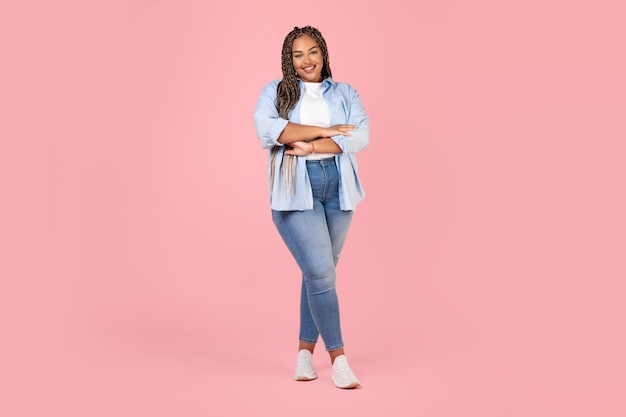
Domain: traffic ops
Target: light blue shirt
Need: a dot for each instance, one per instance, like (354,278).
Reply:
(345,108)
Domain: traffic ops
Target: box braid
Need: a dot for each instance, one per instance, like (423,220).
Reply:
(288,94)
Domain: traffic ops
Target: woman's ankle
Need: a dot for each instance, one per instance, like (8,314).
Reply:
(306,345)
(335,353)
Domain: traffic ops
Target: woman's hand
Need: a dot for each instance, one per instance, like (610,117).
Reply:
(299,148)
(338,130)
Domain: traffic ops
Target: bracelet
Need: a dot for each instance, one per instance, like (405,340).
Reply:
(313,145)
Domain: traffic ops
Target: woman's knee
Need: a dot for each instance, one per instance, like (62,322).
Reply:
(320,283)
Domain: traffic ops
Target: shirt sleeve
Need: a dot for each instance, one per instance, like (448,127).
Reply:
(360,137)
(269,125)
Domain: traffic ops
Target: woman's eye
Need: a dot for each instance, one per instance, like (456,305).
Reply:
(297,56)
(313,52)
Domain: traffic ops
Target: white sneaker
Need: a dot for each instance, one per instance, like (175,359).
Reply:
(343,377)
(304,366)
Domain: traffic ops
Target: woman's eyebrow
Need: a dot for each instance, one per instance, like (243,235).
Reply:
(311,48)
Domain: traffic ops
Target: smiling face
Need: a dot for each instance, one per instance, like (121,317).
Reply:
(307,59)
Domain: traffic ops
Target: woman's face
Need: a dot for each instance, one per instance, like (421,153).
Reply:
(307,59)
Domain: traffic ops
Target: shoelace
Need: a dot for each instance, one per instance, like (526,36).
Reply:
(344,368)
(304,363)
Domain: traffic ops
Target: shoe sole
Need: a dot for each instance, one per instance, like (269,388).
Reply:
(305,378)
(349,386)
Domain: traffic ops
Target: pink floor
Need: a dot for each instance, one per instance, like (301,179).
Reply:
(134,356)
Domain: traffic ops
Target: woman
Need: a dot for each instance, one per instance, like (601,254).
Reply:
(313,127)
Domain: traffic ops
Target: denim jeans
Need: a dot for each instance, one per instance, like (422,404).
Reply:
(315,239)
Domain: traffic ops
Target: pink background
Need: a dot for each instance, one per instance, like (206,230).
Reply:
(484,272)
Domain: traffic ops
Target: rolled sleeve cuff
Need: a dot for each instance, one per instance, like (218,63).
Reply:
(341,141)
(276,129)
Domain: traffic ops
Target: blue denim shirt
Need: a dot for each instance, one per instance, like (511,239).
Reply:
(345,108)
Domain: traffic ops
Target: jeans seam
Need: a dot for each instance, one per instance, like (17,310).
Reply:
(325,181)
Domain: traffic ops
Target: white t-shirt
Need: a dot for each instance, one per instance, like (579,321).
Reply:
(314,112)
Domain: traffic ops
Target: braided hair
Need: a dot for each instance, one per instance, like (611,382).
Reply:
(288,94)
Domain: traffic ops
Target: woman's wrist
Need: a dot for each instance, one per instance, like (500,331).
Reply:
(312,147)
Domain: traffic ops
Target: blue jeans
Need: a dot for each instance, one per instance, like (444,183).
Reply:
(315,239)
